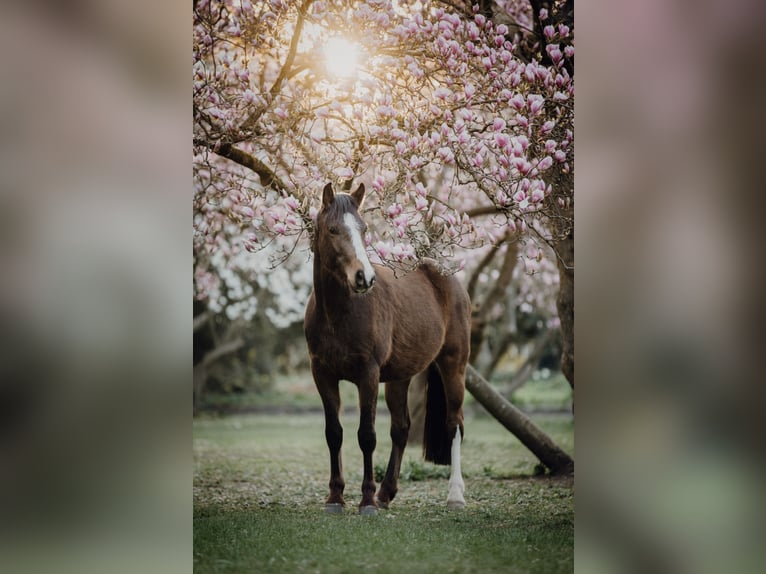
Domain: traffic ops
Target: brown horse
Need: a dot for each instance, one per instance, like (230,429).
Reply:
(366,326)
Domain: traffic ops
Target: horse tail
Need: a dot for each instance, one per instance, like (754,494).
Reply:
(436,442)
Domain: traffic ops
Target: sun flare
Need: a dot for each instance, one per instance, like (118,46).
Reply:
(341,57)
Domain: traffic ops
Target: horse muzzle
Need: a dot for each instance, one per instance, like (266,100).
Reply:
(361,283)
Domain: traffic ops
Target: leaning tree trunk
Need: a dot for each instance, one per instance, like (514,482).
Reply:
(541,445)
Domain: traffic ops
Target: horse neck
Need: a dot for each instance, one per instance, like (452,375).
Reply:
(333,297)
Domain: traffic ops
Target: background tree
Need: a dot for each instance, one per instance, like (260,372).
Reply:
(458,117)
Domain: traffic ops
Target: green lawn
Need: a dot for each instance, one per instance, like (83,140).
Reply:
(260,482)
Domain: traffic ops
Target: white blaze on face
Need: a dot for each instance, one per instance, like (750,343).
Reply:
(356,240)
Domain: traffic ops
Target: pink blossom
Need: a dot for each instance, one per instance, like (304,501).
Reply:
(442,93)
(543,14)
(446,155)
(400,147)
(550,146)
(560,97)
(280,228)
(563,30)
(480,20)
(554,52)
(421,190)
(478,160)
(378,183)
(344,172)
(535,103)
(545,163)
(313,211)
(569,51)
(549,31)
(247,211)
(249,96)
(394,210)
(498,124)
(519,196)
(502,140)
(560,156)
(517,101)
(421,203)
(470,90)
(291,203)
(537,195)
(382,249)
(547,126)
(416,161)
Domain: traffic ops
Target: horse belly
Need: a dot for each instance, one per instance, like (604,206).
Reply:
(412,352)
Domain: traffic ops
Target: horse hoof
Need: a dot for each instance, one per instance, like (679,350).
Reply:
(333,508)
(455,504)
(368,510)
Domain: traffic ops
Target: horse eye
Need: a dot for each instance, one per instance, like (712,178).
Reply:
(333,230)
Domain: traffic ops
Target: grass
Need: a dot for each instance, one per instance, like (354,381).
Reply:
(260,482)
(296,393)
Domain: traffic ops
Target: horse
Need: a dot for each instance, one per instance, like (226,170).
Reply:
(366,326)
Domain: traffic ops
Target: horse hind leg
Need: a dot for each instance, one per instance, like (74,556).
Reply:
(452,370)
(396,399)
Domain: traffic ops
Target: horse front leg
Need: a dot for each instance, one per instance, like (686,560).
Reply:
(330,394)
(396,399)
(368,399)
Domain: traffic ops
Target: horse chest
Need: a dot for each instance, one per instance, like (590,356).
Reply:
(341,349)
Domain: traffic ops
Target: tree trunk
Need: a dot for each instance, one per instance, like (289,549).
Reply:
(541,445)
(526,370)
(565,303)
(200,369)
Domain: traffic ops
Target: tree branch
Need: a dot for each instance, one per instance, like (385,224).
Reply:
(264,172)
(541,445)
(221,350)
(283,73)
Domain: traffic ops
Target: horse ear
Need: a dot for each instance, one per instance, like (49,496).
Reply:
(358,195)
(327,195)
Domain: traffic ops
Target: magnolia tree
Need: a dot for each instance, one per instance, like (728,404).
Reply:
(459,119)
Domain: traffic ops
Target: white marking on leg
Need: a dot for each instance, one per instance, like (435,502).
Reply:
(356,240)
(455,497)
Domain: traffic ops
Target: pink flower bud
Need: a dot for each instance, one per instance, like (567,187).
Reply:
(545,163)
(421,203)
(543,14)
(549,31)
(547,126)
(498,124)
(291,203)
(560,156)
(394,210)
(550,146)
(378,183)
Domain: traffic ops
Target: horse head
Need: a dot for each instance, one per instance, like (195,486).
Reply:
(339,237)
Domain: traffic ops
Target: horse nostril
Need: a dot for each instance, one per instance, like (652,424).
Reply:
(360,278)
